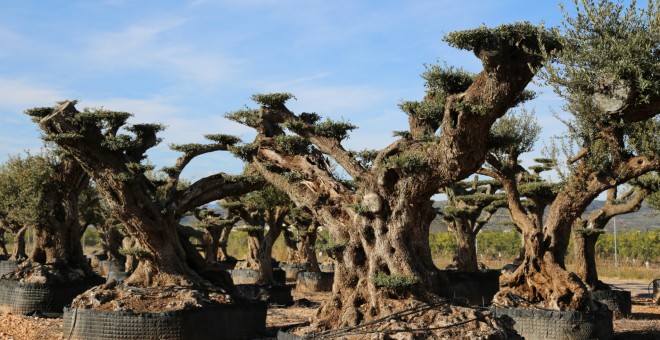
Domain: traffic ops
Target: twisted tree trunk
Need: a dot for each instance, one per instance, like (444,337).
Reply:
(306,248)
(18,249)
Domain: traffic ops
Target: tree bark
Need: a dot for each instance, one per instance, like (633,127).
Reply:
(381,223)
(466,248)
(306,248)
(131,196)
(111,241)
(585,259)
(223,255)
(18,250)
(398,246)
(543,277)
(57,241)
(3,245)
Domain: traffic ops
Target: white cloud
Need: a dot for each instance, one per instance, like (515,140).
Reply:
(152,46)
(182,125)
(19,94)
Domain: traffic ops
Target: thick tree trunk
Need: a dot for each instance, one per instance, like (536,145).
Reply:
(131,260)
(394,247)
(111,241)
(292,251)
(3,244)
(265,255)
(585,259)
(466,246)
(254,239)
(57,241)
(165,263)
(543,281)
(223,255)
(306,249)
(18,252)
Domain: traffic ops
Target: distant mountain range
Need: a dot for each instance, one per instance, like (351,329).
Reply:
(644,219)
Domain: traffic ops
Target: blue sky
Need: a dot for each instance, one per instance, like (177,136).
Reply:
(186,63)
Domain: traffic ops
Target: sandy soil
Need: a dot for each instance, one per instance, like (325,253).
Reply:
(643,324)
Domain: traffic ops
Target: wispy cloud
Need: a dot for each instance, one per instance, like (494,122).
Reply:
(20,94)
(155,46)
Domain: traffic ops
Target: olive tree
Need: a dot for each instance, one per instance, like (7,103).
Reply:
(587,229)
(267,207)
(470,205)
(381,218)
(43,191)
(607,71)
(149,209)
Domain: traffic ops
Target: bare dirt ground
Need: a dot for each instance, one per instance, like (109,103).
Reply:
(643,324)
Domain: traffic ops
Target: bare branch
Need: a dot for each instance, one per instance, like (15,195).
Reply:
(583,152)
(212,188)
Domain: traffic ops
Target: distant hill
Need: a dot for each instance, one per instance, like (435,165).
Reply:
(645,218)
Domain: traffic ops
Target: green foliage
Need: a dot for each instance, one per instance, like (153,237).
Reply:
(293,145)
(309,117)
(117,143)
(360,209)
(394,281)
(610,60)
(138,252)
(409,162)
(186,148)
(365,157)
(244,152)
(223,139)
(539,189)
(475,108)
(492,243)
(445,80)
(247,117)
(641,245)
(251,228)
(609,46)
(442,244)
(337,130)
(291,176)
(330,246)
(267,198)
(125,177)
(247,178)
(644,137)
(38,113)
(522,34)
(91,237)
(272,99)
(403,134)
(514,134)
(145,129)
(61,137)
(430,111)
(452,213)
(136,167)
(25,183)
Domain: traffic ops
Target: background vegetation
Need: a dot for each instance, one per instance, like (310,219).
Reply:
(638,251)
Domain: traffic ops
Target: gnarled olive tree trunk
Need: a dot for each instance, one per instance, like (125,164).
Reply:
(381,224)
(132,197)
(17,232)
(587,231)
(57,240)
(543,278)
(111,241)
